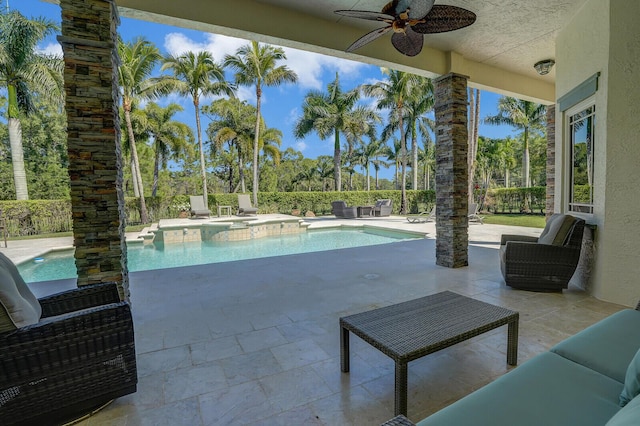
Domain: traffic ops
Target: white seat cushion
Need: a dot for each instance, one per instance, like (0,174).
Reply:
(20,305)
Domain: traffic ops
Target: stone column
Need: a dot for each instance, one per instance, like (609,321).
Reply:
(452,180)
(551,159)
(89,44)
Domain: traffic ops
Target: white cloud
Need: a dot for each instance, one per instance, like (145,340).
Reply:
(301,146)
(308,66)
(51,49)
(218,45)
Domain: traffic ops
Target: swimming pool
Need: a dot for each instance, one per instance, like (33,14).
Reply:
(61,264)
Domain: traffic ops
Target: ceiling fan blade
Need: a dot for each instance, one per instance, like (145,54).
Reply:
(368,38)
(444,18)
(365,14)
(418,9)
(408,43)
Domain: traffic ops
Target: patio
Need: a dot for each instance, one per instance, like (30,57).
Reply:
(257,341)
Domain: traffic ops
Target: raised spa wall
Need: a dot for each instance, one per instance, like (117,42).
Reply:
(236,230)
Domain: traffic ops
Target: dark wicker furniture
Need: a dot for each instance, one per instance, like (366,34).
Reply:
(79,356)
(383,207)
(340,209)
(410,330)
(527,264)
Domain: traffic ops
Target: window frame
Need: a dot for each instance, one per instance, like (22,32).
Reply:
(569,204)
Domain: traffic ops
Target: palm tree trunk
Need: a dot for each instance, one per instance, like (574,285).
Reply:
(336,161)
(156,167)
(203,167)
(134,179)
(144,217)
(256,145)
(403,150)
(414,157)
(17,159)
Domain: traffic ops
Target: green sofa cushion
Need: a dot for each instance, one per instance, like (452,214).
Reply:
(546,390)
(592,347)
(628,416)
(631,382)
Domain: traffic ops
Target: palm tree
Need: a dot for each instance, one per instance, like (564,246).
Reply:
(416,121)
(197,75)
(394,154)
(325,170)
(333,113)
(367,156)
(523,115)
(169,136)
(255,64)
(427,156)
(24,72)
(137,61)
(232,123)
(397,92)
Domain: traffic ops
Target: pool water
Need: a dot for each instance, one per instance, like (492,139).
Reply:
(61,265)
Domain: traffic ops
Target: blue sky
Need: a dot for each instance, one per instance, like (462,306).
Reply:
(281,106)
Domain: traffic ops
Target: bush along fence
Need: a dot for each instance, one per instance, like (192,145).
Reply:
(35,217)
(516,200)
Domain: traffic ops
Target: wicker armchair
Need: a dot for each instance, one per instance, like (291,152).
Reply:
(546,263)
(383,207)
(79,356)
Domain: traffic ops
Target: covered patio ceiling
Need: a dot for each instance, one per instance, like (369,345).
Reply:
(497,52)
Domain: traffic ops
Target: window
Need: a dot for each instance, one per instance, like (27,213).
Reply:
(581,131)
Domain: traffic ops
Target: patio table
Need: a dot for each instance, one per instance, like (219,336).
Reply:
(410,330)
(365,211)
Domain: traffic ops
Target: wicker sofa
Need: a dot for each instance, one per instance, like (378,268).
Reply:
(64,355)
(580,381)
(340,209)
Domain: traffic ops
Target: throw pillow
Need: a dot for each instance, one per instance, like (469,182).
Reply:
(558,231)
(628,415)
(19,303)
(631,381)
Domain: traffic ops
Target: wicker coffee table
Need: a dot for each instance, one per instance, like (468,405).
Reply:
(410,330)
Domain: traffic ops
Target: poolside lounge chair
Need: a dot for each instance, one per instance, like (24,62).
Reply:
(423,217)
(62,355)
(244,205)
(383,207)
(340,209)
(198,208)
(474,216)
(546,263)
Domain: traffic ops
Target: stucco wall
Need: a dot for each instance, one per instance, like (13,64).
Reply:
(604,37)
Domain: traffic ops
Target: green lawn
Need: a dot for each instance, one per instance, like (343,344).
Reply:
(132,228)
(533,221)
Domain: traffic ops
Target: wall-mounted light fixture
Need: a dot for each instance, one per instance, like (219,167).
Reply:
(543,67)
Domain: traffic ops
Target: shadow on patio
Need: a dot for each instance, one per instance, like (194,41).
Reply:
(258,342)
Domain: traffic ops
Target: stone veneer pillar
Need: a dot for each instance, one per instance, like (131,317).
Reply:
(89,43)
(452,181)
(551,159)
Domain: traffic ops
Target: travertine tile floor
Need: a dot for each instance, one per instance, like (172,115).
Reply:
(257,342)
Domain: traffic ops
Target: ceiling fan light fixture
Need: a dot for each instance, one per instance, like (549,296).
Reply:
(543,67)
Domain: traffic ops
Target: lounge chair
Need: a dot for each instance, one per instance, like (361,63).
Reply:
(340,209)
(383,207)
(244,205)
(546,263)
(423,217)
(198,208)
(474,216)
(63,355)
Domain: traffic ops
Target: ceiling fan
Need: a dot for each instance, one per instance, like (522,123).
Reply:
(410,20)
